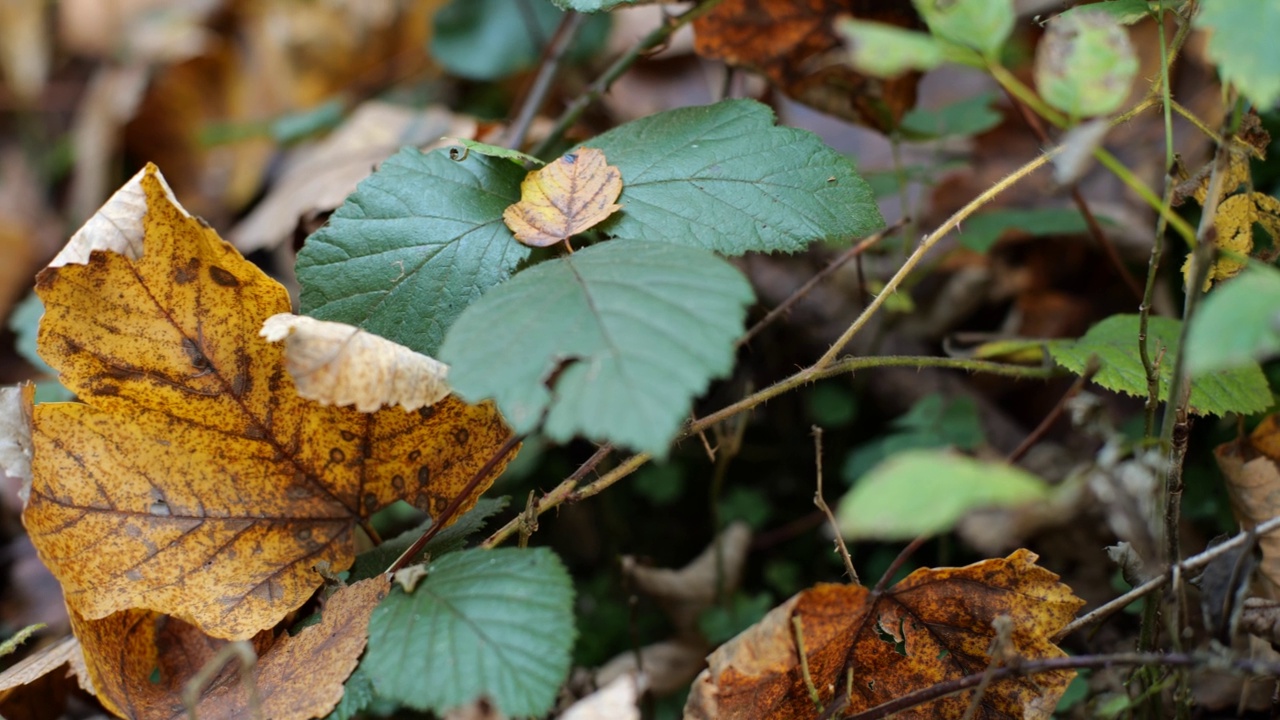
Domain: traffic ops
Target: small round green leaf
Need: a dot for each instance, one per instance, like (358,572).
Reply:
(887,51)
(1238,324)
(983,25)
(1085,64)
(484,623)
(925,492)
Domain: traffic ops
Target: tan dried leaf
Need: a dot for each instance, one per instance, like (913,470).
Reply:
(572,194)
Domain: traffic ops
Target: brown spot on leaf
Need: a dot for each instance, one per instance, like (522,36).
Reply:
(222,277)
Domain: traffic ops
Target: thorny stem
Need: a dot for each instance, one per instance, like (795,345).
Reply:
(551,499)
(556,49)
(446,515)
(601,84)
(831,518)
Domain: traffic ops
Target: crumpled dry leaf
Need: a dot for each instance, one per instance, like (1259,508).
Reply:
(564,198)
(337,364)
(296,676)
(934,626)
(685,593)
(197,483)
(64,653)
(1261,617)
(619,700)
(1250,468)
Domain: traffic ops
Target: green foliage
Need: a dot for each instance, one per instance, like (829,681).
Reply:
(1085,64)
(24,321)
(661,483)
(830,404)
(1125,12)
(748,504)
(1242,41)
(933,422)
(627,332)
(452,538)
(723,177)
(970,116)
(357,695)
(980,232)
(1115,343)
(983,25)
(473,146)
(1237,324)
(883,50)
(491,39)
(719,623)
(924,492)
(413,245)
(491,623)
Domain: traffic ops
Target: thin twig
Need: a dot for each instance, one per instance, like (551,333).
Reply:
(1091,369)
(831,518)
(821,275)
(903,556)
(797,628)
(446,516)
(553,498)
(556,49)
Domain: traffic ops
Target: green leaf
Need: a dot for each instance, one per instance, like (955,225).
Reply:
(484,623)
(357,695)
(1085,64)
(967,117)
(924,492)
(981,232)
(595,6)
(491,39)
(1126,12)
(24,321)
(473,146)
(452,538)
(1238,323)
(933,422)
(1242,41)
(1115,342)
(983,25)
(886,51)
(11,643)
(418,241)
(721,622)
(725,178)
(628,332)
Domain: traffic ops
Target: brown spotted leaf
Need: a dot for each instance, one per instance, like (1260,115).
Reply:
(572,194)
(194,481)
(141,662)
(935,625)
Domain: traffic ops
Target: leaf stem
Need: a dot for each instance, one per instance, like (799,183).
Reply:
(556,49)
(821,502)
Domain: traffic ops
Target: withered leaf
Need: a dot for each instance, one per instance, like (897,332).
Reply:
(934,626)
(141,662)
(1251,467)
(572,194)
(786,40)
(196,482)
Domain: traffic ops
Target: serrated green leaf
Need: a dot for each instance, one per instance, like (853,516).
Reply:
(1242,41)
(1238,324)
(983,25)
(484,623)
(1085,64)
(980,232)
(924,492)
(970,116)
(357,695)
(725,178)
(1241,390)
(418,241)
(491,39)
(470,146)
(886,51)
(1126,12)
(452,538)
(628,331)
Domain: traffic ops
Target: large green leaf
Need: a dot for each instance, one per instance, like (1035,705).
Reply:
(1238,323)
(924,492)
(491,39)
(1242,40)
(418,241)
(484,623)
(1115,343)
(627,333)
(725,178)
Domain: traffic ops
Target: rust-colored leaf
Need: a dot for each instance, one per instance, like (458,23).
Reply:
(1251,467)
(140,662)
(196,482)
(935,625)
(785,40)
(572,194)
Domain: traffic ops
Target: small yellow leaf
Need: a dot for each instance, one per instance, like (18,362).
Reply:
(564,198)
(337,364)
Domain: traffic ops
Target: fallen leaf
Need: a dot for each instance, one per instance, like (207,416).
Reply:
(197,483)
(337,364)
(685,593)
(934,626)
(568,196)
(37,686)
(619,700)
(43,662)
(785,40)
(141,662)
(1251,467)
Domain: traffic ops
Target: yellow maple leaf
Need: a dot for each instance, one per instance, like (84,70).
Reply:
(195,482)
(572,194)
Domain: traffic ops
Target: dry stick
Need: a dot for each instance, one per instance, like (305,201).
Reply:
(1192,563)
(239,650)
(600,86)
(821,275)
(797,628)
(560,492)
(1091,369)
(831,518)
(556,49)
(438,523)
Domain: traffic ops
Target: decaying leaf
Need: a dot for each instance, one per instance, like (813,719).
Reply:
(196,482)
(141,662)
(619,700)
(863,650)
(786,40)
(337,364)
(1251,467)
(572,194)
(64,653)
